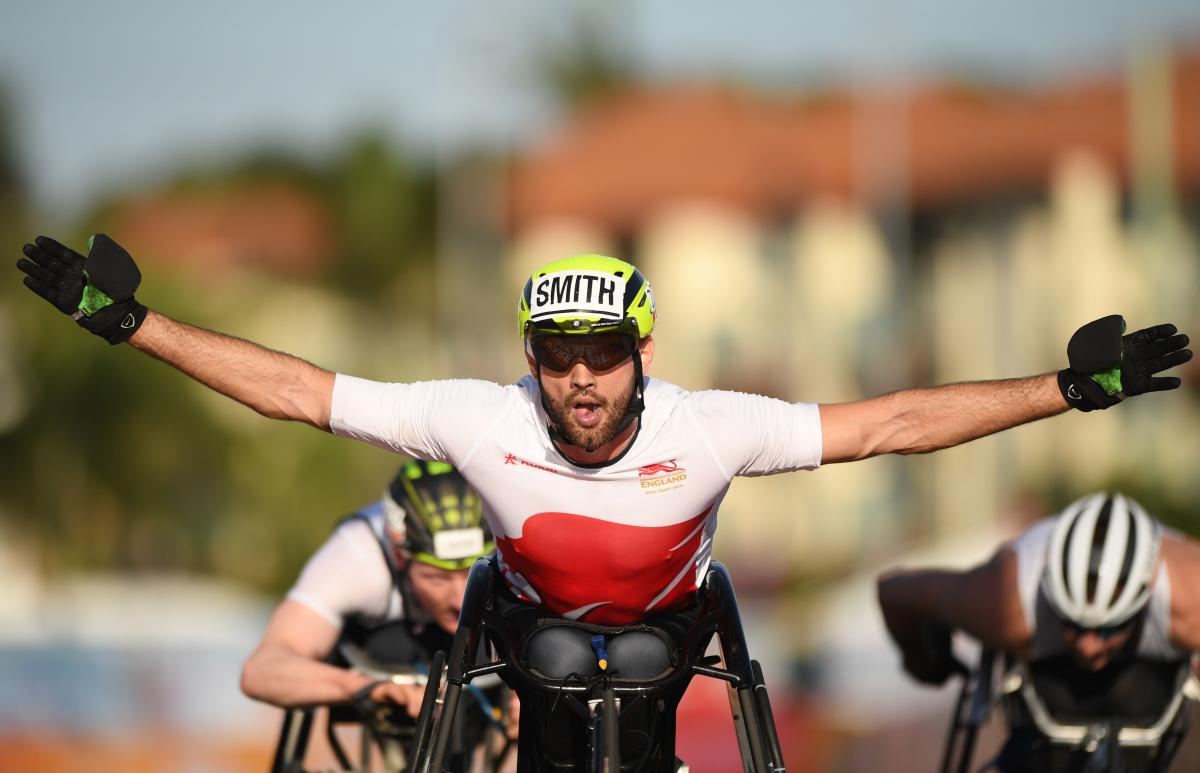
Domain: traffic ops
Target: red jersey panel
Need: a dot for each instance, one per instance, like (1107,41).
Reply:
(603,572)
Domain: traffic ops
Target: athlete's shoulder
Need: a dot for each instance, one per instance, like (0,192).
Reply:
(524,395)
(740,406)
(663,400)
(1036,533)
(662,392)
(524,388)
(472,385)
(359,533)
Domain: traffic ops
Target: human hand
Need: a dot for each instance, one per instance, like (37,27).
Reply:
(377,702)
(406,696)
(1106,366)
(930,657)
(512,722)
(97,291)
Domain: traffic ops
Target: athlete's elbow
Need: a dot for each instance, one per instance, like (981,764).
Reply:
(290,411)
(898,438)
(307,405)
(917,448)
(905,437)
(249,681)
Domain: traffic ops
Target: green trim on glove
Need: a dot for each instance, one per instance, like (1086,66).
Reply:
(1109,380)
(93,299)
(1107,365)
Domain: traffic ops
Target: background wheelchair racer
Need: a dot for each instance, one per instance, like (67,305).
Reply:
(390,580)
(1099,604)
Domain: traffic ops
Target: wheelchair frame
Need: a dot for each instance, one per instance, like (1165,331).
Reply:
(393,748)
(599,704)
(1104,740)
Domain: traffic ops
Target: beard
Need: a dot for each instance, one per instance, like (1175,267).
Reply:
(589,438)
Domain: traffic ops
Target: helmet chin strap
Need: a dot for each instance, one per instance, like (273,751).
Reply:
(633,411)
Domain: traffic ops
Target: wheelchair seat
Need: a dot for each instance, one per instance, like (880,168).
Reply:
(556,712)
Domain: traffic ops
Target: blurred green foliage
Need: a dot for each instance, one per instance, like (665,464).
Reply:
(380,202)
(92,481)
(592,59)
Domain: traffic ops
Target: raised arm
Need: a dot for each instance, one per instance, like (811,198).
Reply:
(97,292)
(1106,367)
(277,385)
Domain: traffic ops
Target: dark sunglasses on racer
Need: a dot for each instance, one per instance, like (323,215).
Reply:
(599,352)
(1103,632)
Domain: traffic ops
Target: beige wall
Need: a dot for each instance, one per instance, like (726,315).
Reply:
(790,312)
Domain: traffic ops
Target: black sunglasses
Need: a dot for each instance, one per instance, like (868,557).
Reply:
(599,352)
(1102,632)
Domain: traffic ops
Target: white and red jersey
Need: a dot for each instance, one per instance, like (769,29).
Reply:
(608,545)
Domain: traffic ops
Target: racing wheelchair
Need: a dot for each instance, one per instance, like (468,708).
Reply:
(1063,720)
(610,717)
(386,732)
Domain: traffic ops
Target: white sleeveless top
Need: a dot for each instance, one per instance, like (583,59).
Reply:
(1030,549)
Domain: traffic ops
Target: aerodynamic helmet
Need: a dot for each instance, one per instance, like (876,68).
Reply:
(439,514)
(1102,556)
(586,294)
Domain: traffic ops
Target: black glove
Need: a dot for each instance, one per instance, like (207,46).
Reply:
(1107,367)
(97,291)
(379,717)
(930,659)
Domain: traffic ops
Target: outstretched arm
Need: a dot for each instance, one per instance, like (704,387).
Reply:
(921,608)
(277,385)
(1106,367)
(917,421)
(97,292)
(285,669)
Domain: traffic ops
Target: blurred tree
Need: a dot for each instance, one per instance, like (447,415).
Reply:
(384,210)
(592,60)
(117,462)
(13,210)
(1162,500)
(14,217)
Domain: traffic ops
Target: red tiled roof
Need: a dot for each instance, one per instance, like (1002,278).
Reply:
(635,152)
(269,225)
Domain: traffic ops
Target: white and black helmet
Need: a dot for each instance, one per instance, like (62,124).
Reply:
(1102,555)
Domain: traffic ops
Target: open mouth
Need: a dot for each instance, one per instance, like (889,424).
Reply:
(586,412)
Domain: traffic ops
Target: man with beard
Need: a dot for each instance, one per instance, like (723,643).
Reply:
(601,485)
(1097,607)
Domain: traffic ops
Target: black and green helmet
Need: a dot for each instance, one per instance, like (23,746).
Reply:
(439,514)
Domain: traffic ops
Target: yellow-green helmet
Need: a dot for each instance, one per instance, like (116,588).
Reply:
(586,294)
(440,515)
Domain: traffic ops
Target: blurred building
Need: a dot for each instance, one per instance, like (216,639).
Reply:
(107,672)
(847,244)
(274,226)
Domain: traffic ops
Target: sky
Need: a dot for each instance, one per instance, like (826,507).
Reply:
(107,94)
